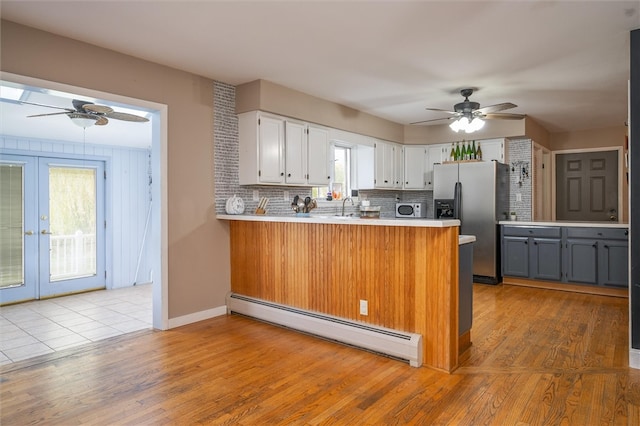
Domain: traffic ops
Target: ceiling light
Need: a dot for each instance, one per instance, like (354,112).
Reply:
(82,120)
(464,124)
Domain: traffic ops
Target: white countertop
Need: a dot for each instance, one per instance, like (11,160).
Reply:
(466,239)
(345,220)
(566,223)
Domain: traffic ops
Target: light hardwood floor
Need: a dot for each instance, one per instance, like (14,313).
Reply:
(539,357)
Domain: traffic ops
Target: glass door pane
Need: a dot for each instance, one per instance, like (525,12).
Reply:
(72,222)
(18,228)
(11,225)
(71,226)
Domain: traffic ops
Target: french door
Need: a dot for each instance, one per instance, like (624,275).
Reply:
(51,227)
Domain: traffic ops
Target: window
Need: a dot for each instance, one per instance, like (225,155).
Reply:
(340,186)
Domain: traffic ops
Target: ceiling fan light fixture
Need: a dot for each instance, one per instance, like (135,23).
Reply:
(81,120)
(467,126)
(475,125)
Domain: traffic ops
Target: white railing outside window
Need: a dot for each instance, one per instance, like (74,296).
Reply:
(72,256)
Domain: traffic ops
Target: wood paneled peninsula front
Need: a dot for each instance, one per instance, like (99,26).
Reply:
(407,270)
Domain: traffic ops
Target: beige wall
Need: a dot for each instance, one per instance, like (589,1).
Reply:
(266,96)
(593,138)
(198,247)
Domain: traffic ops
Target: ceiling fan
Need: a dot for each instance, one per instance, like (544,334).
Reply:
(86,114)
(468,112)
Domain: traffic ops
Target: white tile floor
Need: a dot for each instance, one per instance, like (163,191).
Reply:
(44,326)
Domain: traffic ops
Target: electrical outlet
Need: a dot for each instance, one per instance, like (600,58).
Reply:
(286,195)
(364,307)
(256,195)
(518,196)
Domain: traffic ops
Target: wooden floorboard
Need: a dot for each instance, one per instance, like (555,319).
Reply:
(539,357)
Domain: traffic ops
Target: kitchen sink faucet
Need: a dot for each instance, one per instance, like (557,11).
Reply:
(343,201)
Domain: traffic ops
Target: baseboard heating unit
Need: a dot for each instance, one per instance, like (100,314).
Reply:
(398,344)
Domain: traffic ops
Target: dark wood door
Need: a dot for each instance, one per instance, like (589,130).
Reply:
(587,186)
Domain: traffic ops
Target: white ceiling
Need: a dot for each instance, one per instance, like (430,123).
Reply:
(564,63)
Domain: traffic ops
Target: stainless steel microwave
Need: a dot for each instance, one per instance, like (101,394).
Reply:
(411,210)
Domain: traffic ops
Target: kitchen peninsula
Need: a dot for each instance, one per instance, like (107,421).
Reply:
(406,271)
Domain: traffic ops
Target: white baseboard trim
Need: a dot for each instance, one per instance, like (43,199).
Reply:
(197,316)
(634,358)
(399,344)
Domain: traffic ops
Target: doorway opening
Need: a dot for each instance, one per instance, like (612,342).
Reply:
(157,233)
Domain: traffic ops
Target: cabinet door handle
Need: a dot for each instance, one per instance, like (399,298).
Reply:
(282,174)
(526,242)
(289,175)
(535,243)
(595,245)
(606,246)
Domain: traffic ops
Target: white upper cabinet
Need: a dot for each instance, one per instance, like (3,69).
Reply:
(398,166)
(277,150)
(261,148)
(295,153)
(493,149)
(318,173)
(436,154)
(385,162)
(415,166)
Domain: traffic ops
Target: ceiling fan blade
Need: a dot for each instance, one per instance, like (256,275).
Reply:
(435,119)
(441,110)
(45,115)
(126,117)
(495,108)
(101,109)
(47,106)
(504,116)
(101,121)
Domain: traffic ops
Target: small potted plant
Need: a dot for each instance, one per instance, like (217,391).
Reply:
(512,216)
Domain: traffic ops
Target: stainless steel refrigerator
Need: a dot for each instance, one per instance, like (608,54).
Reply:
(483,201)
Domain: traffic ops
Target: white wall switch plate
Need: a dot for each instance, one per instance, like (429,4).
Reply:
(256,195)
(518,196)
(286,195)
(364,307)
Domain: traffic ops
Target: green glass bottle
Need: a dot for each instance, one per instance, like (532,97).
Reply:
(473,150)
(452,156)
(465,151)
(457,152)
(479,152)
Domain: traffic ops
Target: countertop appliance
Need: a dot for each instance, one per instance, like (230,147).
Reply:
(411,210)
(483,199)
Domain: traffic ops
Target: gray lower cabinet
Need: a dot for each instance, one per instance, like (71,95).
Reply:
(531,252)
(613,263)
(515,258)
(577,255)
(545,259)
(581,260)
(597,256)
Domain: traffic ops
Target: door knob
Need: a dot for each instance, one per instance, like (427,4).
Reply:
(28,232)
(45,232)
